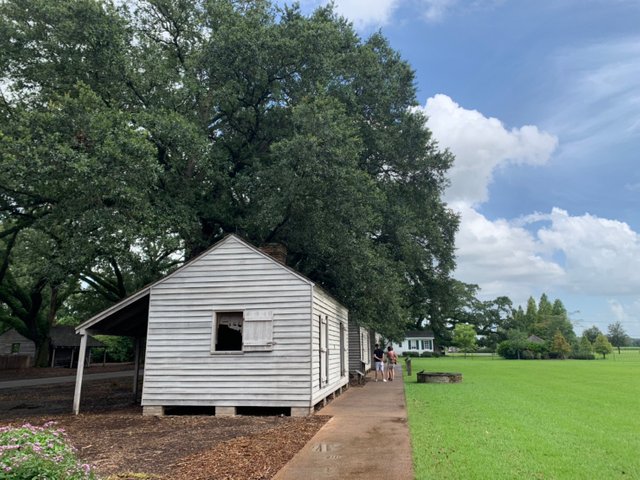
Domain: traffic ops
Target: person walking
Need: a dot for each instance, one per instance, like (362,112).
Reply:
(378,361)
(392,359)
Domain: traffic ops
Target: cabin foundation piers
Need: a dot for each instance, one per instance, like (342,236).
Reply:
(225,411)
(153,411)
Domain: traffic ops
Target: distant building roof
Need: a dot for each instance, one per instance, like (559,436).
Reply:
(419,334)
(61,336)
(64,336)
(534,339)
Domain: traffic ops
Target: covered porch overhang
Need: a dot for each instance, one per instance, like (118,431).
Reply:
(128,318)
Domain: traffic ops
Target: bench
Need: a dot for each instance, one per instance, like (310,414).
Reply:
(358,376)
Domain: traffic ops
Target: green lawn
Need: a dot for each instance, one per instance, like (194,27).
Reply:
(509,419)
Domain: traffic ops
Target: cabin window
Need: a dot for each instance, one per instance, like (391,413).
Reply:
(249,330)
(227,328)
(15,348)
(427,344)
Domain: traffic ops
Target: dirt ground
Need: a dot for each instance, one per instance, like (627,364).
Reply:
(112,435)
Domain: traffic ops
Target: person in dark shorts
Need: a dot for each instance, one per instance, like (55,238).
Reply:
(378,362)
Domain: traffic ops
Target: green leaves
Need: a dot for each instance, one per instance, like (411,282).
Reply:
(144,132)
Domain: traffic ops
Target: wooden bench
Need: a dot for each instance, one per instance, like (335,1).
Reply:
(358,376)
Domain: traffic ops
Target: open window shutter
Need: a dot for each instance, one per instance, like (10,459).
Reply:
(258,330)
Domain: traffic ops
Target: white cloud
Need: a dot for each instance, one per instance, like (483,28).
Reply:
(618,311)
(435,10)
(598,103)
(578,256)
(363,13)
(502,257)
(602,255)
(480,145)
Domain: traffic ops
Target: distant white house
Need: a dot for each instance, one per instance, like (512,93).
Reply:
(416,341)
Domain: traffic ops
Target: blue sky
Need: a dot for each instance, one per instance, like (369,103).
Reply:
(540,103)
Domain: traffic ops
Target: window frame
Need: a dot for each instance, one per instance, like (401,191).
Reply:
(214,333)
(250,317)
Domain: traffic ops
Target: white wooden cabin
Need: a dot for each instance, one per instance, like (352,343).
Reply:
(360,348)
(233,329)
(13,343)
(63,346)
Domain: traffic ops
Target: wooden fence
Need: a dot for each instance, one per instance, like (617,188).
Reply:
(15,361)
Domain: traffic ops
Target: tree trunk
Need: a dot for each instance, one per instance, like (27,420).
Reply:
(42,353)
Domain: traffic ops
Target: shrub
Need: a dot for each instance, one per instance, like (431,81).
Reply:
(583,356)
(485,350)
(30,452)
(512,349)
(412,353)
(527,355)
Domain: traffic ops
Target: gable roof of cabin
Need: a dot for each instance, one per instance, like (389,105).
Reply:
(116,318)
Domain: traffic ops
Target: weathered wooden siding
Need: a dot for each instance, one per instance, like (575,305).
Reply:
(336,374)
(359,348)
(8,338)
(180,368)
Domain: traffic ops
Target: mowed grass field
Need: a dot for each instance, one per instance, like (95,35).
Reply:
(510,419)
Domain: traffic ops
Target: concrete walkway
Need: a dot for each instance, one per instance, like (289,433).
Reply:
(368,437)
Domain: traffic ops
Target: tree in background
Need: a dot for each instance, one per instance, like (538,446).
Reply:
(551,318)
(464,337)
(592,333)
(583,349)
(559,346)
(602,346)
(167,125)
(617,336)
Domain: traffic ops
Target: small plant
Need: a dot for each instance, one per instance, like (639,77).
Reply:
(39,453)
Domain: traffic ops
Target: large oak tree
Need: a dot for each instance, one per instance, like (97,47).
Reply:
(138,130)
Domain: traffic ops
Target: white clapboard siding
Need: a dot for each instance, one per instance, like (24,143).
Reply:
(180,367)
(8,338)
(359,348)
(328,309)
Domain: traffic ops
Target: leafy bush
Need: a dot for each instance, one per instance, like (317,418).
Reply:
(412,353)
(119,349)
(583,356)
(430,354)
(39,453)
(524,350)
(527,355)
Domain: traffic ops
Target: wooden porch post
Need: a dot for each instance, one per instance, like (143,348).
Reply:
(80,372)
(53,358)
(136,366)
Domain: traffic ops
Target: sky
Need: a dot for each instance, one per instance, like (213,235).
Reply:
(539,101)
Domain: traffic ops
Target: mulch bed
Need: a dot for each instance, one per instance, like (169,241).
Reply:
(112,434)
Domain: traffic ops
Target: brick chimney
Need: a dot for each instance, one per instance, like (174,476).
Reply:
(275,250)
